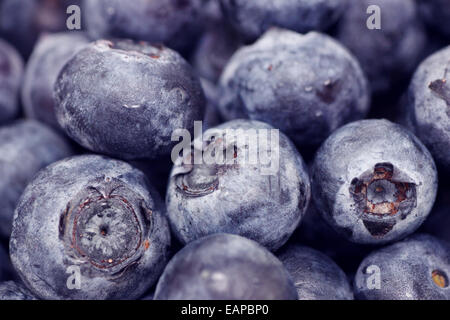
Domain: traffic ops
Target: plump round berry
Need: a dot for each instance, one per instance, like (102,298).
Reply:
(176,23)
(242,177)
(11,69)
(437,14)
(388,55)
(374,181)
(125,99)
(315,276)
(50,54)
(11,290)
(225,267)
(417,268)
(253,18)
(305,85)
(429,105)
(97,230)
(26,146)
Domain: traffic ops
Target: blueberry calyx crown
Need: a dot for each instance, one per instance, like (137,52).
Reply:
(382,197)
(106,226)
(442,89)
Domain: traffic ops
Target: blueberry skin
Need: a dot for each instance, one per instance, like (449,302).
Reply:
(65,212)
(125,99)
(388,55)
(429,105)
(175,23)
(305,85)
(11,290)
(373,181)
(11,70)
(252,18)
(414,269)
(437,14)
(225,267)
(238,198)
(50,54)
(26,146)
(315,276)
(22,21)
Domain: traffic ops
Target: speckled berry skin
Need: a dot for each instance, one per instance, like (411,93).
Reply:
(417,268)
(315,276)
(26,146)
(11,290)
(390,54)
(374,181)
(172,22)
(437,14)
(305,85)
(50,54)
(225,267)
(11,70)
(125,99)
(253,18)
(96,214)
(238,197)
(429,105)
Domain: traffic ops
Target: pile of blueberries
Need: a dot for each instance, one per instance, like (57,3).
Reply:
(98,200)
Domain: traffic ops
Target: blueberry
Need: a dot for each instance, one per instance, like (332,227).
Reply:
(429,105)
(11,69)
(225,267)
(236,195)
(437,14)
(253,18)
(176,23)
(125,99)
(374,181)
(390,54)
(316,276)
(26,146)
(49,56)
(414,269)
(22,21)
(305,85)
(93,219)
(11,290)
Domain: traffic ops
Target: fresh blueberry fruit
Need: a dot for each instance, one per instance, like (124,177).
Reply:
(234,194)
(50,54)
(390,54)
(437,14)
(176,23)
(253,18)
(26,146)
(11,290)
(125,98)
(305,85)
(315,276)
(214,50)
(11,69)
(22,21)
(374,181)
(225,267)
(429,105)
(93,219)
(417,268)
